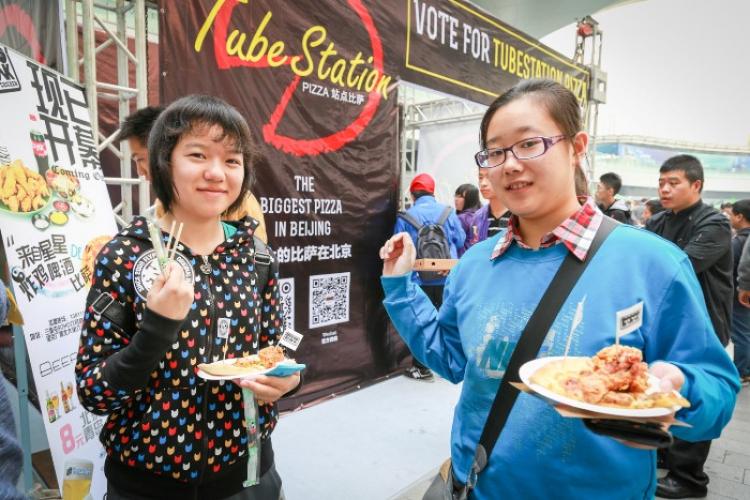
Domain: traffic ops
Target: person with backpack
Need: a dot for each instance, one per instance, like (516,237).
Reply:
(437,233)
(498,312)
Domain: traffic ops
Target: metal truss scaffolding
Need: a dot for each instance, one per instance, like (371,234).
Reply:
(121,91)
(588,53)
(417,112)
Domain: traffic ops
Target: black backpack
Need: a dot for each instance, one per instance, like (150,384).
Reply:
(432,241)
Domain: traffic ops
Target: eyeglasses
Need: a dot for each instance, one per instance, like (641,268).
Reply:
(525,149)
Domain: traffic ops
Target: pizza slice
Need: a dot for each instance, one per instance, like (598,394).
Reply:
(266,358)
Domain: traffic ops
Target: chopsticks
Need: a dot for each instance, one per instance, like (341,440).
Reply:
(176,240)
(164,253)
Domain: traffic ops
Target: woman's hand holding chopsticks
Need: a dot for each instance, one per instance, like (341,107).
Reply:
(171,295)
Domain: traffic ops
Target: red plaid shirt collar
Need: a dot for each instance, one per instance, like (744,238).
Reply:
(576,232)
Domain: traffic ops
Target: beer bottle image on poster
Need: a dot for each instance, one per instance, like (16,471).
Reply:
(65,398)
(40,151)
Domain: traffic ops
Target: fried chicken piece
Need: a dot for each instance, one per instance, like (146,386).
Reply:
(13,203)
(270,356)
(9,184)
(624,368)
(26,204)
(594,387)
(639,380)
(585,386)
(616,358)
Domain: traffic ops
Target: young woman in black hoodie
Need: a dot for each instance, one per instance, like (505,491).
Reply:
(169,433)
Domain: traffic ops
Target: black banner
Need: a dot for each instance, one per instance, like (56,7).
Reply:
(312,80)
(317,81)
(457,48)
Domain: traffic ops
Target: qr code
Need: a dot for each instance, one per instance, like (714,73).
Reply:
(329,299)
(286,289)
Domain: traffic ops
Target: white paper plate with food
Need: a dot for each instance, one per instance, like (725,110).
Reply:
(269,361)
(613,382)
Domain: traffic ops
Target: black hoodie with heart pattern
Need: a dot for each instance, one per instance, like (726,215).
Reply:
(164,420)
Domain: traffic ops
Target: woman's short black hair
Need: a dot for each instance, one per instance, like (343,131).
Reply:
(184,116)
(470,194)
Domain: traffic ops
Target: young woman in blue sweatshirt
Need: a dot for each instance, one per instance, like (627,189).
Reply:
(532,143)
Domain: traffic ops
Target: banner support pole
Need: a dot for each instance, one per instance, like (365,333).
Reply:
(22,385)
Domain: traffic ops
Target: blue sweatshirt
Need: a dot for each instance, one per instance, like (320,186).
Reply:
(487,303)
(428,211)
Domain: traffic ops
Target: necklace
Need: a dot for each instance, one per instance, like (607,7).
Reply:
(206,266)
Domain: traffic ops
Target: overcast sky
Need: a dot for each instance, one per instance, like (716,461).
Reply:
(678,69)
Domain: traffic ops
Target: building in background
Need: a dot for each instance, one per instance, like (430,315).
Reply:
(637,160)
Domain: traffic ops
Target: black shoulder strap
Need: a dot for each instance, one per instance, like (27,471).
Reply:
(119,313)
(262,262)
(528,345)
(444,216)
(411,220)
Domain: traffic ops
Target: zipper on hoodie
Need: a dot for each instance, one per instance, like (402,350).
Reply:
(207,270)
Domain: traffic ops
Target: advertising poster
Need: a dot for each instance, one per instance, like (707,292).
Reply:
(55,215)
(313,82)
(317,82)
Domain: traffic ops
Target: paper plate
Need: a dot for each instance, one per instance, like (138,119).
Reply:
(529,368)
(283,369)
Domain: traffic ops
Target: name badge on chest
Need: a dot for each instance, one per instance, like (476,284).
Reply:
(222,329)
(291,339)
(629,320)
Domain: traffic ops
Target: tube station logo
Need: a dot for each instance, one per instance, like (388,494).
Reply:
(319,58)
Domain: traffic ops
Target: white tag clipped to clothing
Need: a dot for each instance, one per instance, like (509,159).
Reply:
(629,320)
(291,340)
(222,329)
